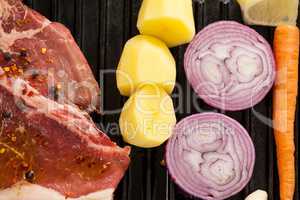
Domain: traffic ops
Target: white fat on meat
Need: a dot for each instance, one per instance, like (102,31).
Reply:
(75,119)
(28,191)
(47,106)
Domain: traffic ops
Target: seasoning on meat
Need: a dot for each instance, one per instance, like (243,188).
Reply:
(7,56)
(2,150)
(43,50)
(6,115)
(29,176)
(23,52)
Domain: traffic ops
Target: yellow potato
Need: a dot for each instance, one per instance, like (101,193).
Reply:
(145,59)
(147,117)
(169,20)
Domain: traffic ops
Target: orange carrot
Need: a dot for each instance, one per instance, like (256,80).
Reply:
(286,49)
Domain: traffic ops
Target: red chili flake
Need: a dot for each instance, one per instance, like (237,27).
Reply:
(6,69)
(30,94)
(2,151)
(14,67)
(27,20)
(44,50)
(13,138)
(49,61)
(19,22)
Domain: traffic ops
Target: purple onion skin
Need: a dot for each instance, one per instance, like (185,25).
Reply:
(230,66)
(188,173)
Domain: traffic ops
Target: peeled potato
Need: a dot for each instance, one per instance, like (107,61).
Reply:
(169,20)
(145,59)
(147,117)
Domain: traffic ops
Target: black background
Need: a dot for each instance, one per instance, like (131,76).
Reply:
(101,28)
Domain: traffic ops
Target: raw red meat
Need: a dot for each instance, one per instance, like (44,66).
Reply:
(52,151)
(49,148)
(45,54)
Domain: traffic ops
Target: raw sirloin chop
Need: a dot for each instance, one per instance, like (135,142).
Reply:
(45,54)
(49,148)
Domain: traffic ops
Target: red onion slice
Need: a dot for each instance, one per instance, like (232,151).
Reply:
(230,66)
(210,156)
